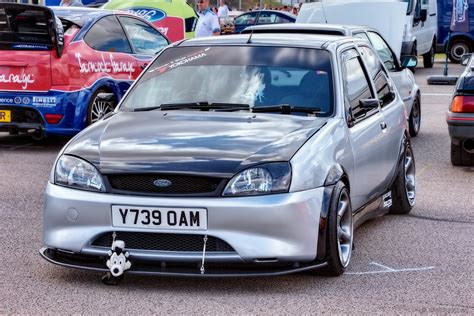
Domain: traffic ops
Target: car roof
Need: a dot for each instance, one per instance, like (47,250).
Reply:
(272,11)
(273,39)
(308,28)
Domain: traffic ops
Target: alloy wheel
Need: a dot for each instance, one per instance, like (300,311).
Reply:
(344,229)
(410,178)
(99,109)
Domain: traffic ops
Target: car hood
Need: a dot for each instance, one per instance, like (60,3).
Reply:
(191,142)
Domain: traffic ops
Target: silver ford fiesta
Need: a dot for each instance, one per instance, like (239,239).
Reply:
(242,155)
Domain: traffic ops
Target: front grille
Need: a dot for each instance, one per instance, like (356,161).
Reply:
(23,115)
(179,184)
(164,242)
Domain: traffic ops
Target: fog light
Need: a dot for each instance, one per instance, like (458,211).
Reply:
(53,118)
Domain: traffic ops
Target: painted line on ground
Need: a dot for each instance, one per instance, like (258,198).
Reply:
(389,270)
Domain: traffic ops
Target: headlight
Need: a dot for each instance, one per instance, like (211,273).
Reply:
(77,173)
(264,179)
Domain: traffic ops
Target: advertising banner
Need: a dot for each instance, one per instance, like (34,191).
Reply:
(460,18)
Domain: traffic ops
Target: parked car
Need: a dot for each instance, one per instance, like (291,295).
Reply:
(410,27)
(401,76)
(266,176)
(460,43)
(460,117)
(55,61)
(262,17)
(176,19)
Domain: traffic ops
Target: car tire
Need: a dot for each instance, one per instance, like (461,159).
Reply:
(340,231)
(414,121)
(428,58)
(97,110)
(404,188)
(458,48)
(460,157)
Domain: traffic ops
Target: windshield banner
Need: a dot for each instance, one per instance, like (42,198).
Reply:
(460,18)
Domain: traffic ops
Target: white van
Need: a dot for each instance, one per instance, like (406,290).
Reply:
(416,35)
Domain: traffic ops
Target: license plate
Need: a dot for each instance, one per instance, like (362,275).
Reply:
(159,217)
(5,116)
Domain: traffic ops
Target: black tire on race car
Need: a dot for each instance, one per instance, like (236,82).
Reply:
(97,109)
(340,231)
(404,188)
(414,121)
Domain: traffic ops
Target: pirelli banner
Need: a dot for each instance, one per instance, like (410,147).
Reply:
(460,18)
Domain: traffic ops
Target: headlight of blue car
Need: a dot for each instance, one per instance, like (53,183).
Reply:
(263,179)
(76,173)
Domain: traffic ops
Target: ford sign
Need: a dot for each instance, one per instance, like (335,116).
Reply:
(149,14)
(162,183)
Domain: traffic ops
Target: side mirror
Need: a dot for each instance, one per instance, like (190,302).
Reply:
(369,104)
(409,61)
(423,15)
(465,59)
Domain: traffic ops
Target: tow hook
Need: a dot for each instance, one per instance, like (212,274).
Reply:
(117,262)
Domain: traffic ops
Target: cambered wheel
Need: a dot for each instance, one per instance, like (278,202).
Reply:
(404,187)
(458,48)
(98,109)
(414,121)
(340,231)
(429,57)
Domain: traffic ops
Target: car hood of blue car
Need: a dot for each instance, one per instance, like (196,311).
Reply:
(191,142)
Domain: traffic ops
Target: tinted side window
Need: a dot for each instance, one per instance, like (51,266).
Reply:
(144,39)
(246,19)
(356,85)
(384,51)
(107,35)
(378,75)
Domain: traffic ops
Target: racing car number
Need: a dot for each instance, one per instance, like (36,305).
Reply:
(159,217)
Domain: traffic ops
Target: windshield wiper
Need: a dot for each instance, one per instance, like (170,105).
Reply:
(285,109)
(202,106)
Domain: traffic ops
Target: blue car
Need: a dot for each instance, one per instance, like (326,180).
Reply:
(262,17)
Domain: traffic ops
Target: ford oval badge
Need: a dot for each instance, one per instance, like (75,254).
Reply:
(162,183)
(149,14)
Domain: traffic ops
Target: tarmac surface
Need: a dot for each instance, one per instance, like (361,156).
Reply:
(401,264)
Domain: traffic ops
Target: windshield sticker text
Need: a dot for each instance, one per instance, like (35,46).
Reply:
(105,65)
(180,61)
(23,79)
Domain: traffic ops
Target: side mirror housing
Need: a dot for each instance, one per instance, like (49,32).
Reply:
(423,15)
(369,104)
(465,59)
(409,61)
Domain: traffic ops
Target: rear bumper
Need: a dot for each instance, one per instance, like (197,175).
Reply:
(72,105)
(460,125)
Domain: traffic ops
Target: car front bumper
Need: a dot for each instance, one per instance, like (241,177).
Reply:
(272,234)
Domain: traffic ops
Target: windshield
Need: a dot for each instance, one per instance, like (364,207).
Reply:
(233,75)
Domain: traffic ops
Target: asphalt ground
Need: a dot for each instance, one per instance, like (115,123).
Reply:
(420,263)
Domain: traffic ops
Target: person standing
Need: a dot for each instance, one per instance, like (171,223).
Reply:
(223,11)
(71,3)
(208,23)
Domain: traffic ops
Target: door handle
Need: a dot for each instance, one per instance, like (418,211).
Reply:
(143,66)
(383,126)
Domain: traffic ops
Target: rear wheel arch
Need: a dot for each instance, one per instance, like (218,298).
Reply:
(91,114)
